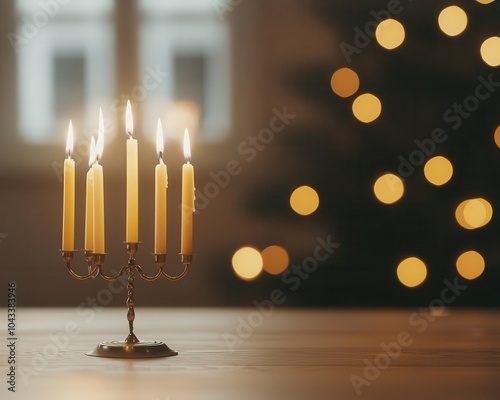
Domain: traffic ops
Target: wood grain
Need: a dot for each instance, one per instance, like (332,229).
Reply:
(289,354)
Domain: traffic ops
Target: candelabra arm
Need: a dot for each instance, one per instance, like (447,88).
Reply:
(92,274)
(186,260)
(177,277)
(110,277)
(160,260)
(89,256)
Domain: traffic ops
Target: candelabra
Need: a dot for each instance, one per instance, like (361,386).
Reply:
(131,347)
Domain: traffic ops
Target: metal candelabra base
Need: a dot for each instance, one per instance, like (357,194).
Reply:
(131,347)
(139,349)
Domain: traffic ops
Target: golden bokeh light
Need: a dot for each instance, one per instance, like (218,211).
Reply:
(304,200)
(411,271)
(485,1)
(367,107)
(474,213)
(438,170)
(490,51)
(247,263)
(344,82)
(390,33)
(388,188)
(470,264)
(452,20)
(275,259)
(497,136)
(459,215)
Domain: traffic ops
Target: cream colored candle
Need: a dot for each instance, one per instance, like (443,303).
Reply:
(187,199)
(99,245)
(89,201)
(161,184)
(132,201)
(68,233)
(97,171)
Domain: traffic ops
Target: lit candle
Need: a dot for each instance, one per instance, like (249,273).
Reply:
(132,226)
(89,203)
(97,172)
(68,234)
(187,199)
(161,184)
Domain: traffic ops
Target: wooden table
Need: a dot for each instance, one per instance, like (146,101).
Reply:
(248,354)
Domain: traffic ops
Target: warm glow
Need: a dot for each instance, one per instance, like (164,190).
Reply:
(159,139)
(490,51)
(247,263)
(388,188)
(344,82)
(69,140)
(452,20)
(497,136)
(178,116)
(412,272)
(474,213)
(390,34)
(92,155)
(470,264)
(275,259)
(438,170)
(99,146)
(485,1)
(367,107)
(129,120)
(187,146)
(304,200)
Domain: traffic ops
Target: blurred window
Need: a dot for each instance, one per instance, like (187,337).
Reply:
(64,65)
(190,42)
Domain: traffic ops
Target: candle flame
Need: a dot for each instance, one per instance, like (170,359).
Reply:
(70,140)
(99,147)
(159,139)
(187,146)
(92,156)
(129,121)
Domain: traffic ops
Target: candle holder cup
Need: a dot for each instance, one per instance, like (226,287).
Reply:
(131,347)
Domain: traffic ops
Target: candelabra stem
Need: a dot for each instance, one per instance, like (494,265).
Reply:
(131,338)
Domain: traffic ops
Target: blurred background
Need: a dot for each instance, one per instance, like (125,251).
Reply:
(345,153)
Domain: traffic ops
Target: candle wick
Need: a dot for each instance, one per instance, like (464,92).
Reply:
(160,155)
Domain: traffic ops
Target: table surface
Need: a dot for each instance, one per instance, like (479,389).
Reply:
(266,354)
